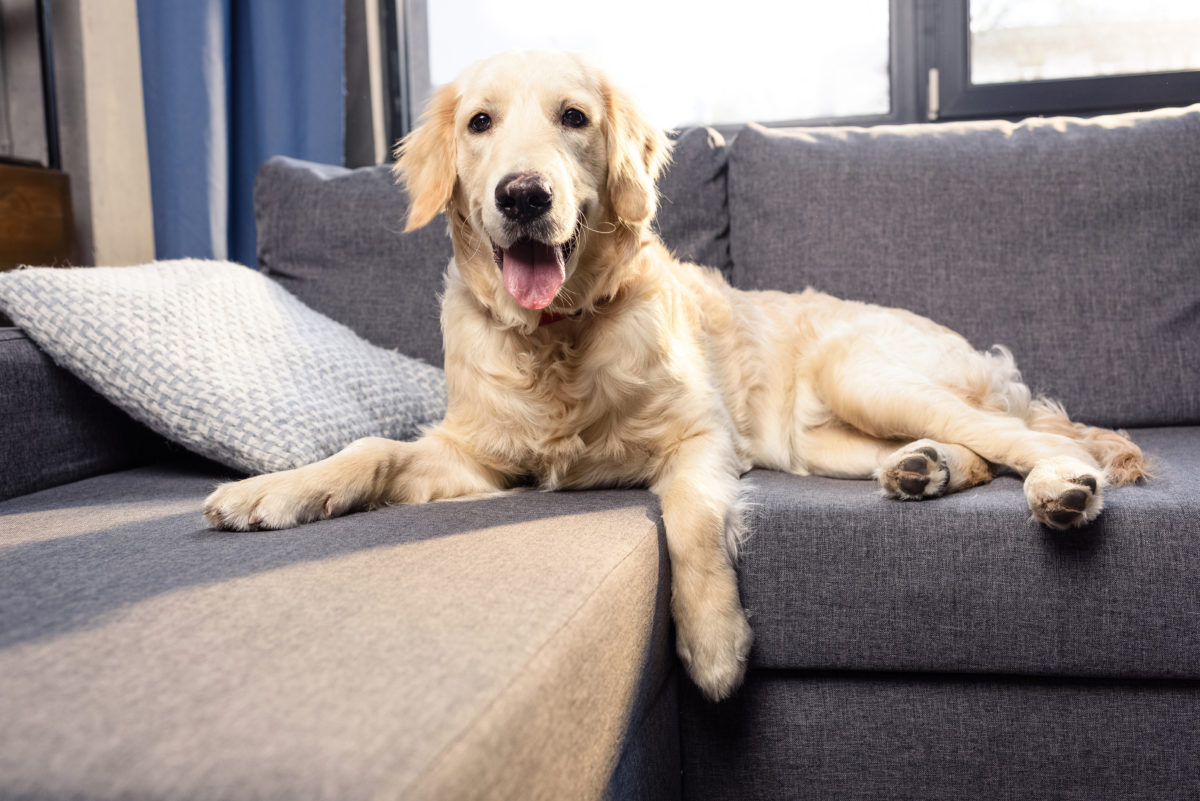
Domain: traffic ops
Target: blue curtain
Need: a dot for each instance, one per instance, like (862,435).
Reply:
(227,85)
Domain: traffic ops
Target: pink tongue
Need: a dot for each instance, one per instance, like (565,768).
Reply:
(533,273)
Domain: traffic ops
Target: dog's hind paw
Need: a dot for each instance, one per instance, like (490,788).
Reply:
(1064,493)
(916,472)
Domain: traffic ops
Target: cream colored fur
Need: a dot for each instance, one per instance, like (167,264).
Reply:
(666,377)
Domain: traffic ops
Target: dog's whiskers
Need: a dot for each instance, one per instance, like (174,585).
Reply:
(566,296)
(468,233)
(612,228)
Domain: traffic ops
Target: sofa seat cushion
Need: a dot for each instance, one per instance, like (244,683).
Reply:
(838,577)
(500,647)
(1070,241)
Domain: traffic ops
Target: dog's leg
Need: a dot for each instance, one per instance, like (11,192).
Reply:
(698,486)
(929,469)
(838,451)
(916,471)
(370,472)
(1064,484)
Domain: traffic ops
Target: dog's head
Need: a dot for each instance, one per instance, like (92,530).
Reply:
(546,173)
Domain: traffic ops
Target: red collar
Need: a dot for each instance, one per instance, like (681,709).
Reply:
(549,317)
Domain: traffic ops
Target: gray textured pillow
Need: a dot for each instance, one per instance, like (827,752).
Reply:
(222,360)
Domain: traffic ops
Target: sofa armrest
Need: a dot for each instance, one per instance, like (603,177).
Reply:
(53,428)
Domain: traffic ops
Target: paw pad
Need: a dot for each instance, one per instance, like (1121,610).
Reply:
(1068,509)
(1085,481)
(915,475)
(914,485)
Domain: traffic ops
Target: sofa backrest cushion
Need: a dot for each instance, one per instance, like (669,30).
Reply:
(335,238)
(1074,242)
(693,200)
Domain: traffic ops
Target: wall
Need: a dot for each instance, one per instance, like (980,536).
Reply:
(102,129)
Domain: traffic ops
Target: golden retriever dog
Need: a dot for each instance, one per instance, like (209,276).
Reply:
(580,353)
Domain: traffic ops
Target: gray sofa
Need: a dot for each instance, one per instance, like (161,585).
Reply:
(520,647)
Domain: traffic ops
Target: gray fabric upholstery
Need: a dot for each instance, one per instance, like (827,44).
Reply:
(693,207)
(649,765)
(873,737)
(53,428)
(837,576)
(335,238)
(1074,242)
(507,648)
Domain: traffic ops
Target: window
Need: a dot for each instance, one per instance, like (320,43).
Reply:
(1012,58)
(694,63)
(1034,40)
(714,62)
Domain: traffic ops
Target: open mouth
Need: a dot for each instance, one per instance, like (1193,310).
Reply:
(534,271)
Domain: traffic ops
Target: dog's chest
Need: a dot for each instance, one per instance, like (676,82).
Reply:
(585,415)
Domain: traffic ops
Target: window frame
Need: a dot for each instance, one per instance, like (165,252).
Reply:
(959,99)
(405,51)
(52,156)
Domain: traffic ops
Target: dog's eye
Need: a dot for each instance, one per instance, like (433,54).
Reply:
(480,123)
(574,118)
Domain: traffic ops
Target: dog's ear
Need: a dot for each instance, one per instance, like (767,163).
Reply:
(425,159)
(637,153)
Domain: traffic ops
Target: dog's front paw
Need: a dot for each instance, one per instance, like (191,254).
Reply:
(915,472)
(1064,493)
(714,648)
(275,500)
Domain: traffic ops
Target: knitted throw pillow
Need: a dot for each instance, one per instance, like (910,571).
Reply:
(222,360)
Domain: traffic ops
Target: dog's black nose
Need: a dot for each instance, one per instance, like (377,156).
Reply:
(523,197)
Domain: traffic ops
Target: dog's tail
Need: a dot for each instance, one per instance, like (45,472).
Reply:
(1118,455)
